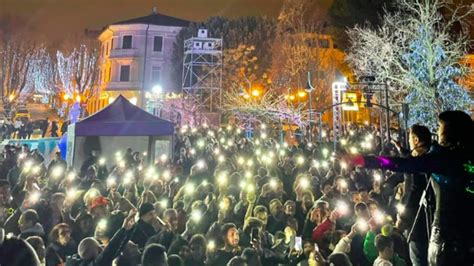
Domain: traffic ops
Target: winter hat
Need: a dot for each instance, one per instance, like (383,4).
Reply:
(88,248)
(146,208)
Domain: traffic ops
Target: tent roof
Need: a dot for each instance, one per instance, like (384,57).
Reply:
(122,118)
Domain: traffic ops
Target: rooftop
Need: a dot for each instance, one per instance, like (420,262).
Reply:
(156,19)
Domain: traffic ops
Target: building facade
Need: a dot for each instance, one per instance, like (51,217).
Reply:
(135,57)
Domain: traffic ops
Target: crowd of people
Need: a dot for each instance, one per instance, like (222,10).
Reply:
(25,128)
(223,199)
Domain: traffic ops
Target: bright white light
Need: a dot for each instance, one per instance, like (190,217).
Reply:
(316,164)
(300,160)
(71,193)
(102,225)
(362,224)
(211,245)
(111,182)
(35,196)
(250,188)
(353,150)
(196,216)
(325,152)
(189,188)
(71,176)
(343,183)
(379,217)
(127,180)
(57,171)
(324,164)
(304,183)
(222,179)
(343,165)
(200,143)
(166,175)
(201,164)
(134,101)
(164,203)
(248,174)
(102,161)
(323,134)
(36,169)
(163,158)
(221,158)
(400,208)
(157,89)
(342,207)
(273,183)
(240,160)
(377,177)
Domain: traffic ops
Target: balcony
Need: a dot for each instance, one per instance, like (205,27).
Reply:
(126,85)
(124,53)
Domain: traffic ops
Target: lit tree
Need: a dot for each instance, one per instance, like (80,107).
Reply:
(301,46)
(16,56)
(42,73)
(77,70)
(417,53)
(264,108)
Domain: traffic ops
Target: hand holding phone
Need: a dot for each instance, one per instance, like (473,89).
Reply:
(298,243)
(254,235)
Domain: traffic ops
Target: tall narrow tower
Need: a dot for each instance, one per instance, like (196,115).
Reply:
(202,71)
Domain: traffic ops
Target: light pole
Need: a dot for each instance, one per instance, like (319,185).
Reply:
(309,90)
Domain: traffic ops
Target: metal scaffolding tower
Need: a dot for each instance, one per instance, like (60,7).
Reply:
(202,71)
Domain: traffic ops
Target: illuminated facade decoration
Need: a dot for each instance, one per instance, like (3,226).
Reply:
(135,56)
(468,81)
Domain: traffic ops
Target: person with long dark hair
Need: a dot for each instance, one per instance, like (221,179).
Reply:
(451,167)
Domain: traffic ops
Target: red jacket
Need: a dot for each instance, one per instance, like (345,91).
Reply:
(320,230)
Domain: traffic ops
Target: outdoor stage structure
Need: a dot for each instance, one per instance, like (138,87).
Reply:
(119,126)
(202,74)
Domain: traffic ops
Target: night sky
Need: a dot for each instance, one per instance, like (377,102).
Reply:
(55,19)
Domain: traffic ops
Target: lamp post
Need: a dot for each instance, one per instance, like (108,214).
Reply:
(310,89)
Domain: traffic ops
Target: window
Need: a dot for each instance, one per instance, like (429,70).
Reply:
(125,73)
(158,44)
(155,75)
(127,42)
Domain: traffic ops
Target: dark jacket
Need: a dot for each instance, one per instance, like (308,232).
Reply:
(222,257)
(35,230)
(106,257)
(56,254)
(143,231)
(452,183)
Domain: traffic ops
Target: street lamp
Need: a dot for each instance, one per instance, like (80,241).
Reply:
(255,92)
(157,89)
